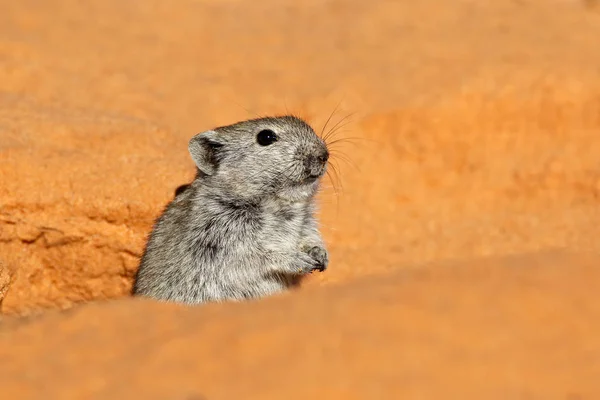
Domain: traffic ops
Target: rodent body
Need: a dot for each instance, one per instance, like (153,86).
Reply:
(245,227)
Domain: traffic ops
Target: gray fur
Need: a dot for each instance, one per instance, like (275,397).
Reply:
(245,227)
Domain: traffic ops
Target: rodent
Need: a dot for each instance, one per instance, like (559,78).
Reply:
(244,228)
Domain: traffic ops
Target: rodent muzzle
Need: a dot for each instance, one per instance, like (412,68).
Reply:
(314,165)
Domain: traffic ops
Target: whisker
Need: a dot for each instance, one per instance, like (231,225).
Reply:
(341,123)
(336,174)
(350,140)
(338,155)
(333,185)
(246,109)
(335,127)
(335,190)
(337,130)
(329,119)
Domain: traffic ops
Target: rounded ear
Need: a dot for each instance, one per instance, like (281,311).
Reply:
(203,148)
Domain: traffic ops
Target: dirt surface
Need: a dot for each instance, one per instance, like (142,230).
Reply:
(470,129)
(514,328)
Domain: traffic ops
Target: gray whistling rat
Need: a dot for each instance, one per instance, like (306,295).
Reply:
(245,227)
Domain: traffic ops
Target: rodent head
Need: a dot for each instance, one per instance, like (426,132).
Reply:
(280,156)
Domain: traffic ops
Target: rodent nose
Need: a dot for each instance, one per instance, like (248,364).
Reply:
(324,157)
(315,164)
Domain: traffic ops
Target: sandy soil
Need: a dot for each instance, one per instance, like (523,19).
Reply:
(473,130)
(512,328)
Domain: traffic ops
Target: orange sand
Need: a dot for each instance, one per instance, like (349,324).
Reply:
(475,131)
(520,327)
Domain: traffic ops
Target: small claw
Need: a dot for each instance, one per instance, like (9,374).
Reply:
(319,254)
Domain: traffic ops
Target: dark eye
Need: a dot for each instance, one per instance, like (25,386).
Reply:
(266,137)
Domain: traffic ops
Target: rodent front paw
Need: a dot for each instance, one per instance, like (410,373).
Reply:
(319,254)
(309,261)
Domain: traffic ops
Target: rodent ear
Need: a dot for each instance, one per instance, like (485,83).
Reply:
(203,148)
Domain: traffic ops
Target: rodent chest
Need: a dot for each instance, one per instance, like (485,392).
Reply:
(271,223)
(283,224)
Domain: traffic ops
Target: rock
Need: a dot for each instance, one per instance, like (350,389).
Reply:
(4,282)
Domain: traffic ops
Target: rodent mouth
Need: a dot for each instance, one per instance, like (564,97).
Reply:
(310,179)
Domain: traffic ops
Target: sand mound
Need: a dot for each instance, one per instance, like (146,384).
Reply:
(518,327)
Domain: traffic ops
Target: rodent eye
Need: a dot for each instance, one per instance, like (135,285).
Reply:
(266,137)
